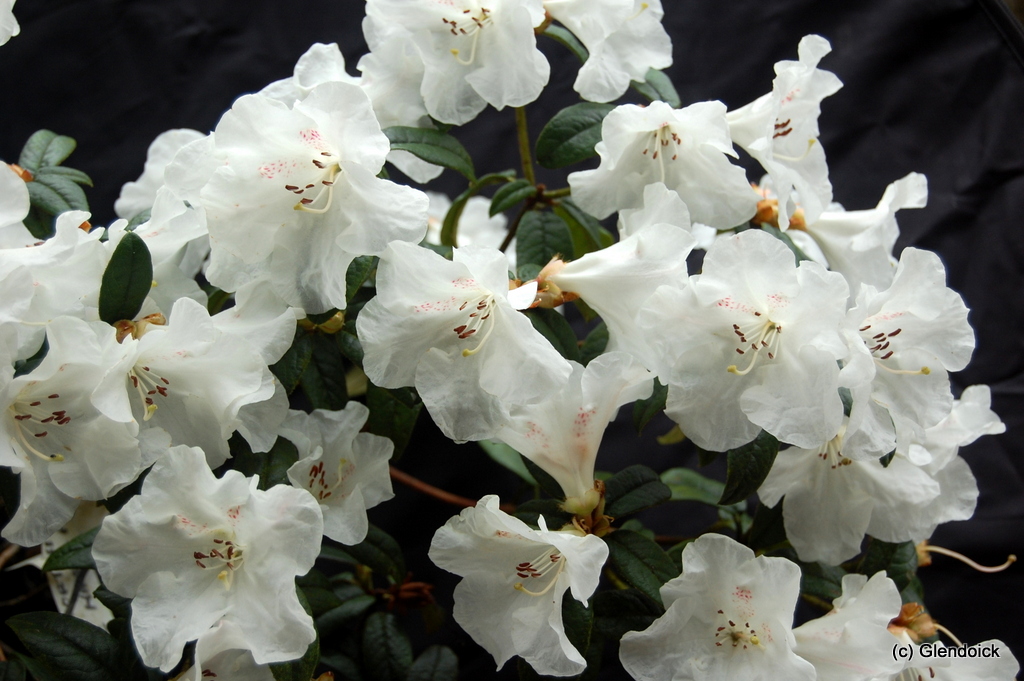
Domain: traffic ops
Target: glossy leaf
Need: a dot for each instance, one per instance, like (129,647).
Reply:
(433,146)
(557,330)
(568,40)
(640,562)
(570,136)
(585,229)
(76,554)
(75,649)
(393,414)
(540,237)
(634,489)
(45,148)
(747,467)
(511,194)
(687,484)
(436,663)
(387,653)
(507,457)
(594,344)
(127,280)
(646,409)
(658,86)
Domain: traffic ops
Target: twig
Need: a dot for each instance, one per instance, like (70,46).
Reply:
(25,596)
(9,552)
(437,492)
(514,227)
(75,590)
(524,145)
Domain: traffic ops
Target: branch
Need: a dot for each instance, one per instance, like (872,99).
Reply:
(437,492)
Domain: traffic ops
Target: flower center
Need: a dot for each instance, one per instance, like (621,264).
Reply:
(547,566)
(323,488)
(879,341)
(34,418)
(468,24)
(148,385)
(731,632)
(831,452)
(656,143)
(754,339)
(222,554)
(478,316)
(320,191)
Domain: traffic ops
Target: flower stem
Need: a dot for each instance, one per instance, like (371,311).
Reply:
(557,193)
(437,492)
(514,226)
(524,145)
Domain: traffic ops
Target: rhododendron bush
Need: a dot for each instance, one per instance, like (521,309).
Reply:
(202,399)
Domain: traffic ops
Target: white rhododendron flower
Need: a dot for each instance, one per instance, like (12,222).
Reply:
(451,328)
(140,195)
(52,433)
(780,130)
(224,654)
(474,53)
(321,63)
(8,24)
(852,641)
(563,433)
(624,39)
(193,550)
(514,580)
(728,617)
(685,149)
(752,342)
(994,662)
(14,201)
(346,470)
(297,198)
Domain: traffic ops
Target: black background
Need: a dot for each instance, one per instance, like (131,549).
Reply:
(934,86)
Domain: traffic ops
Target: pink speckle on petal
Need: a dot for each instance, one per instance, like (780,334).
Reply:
(742,594)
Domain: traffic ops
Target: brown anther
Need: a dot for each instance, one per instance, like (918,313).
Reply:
(85,226)
(24,174)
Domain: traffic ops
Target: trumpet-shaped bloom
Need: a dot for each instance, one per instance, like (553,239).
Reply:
(728,617)
(474,53)
(510,600)
(193,550)
(685,149)
(346,470)
(451,328)
(751,343)
(296,198)
(780,130)
(563,433)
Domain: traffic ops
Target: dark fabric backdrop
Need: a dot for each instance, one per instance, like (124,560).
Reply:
(935,86)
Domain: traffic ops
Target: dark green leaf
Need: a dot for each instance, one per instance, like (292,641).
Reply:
(687,484)
(887,459)
(568,39)
(73,555)
(323,380)
(318,592)
(675,552)
(37,669)
(824,582)
(544,480)
(436,663)
(293,363)
(704,457)
(76,176)
(115,502)
(359,271)
(127,280)
(570,136)
(381,553)
(898,560)
(45,148)
(344,667)
(348,612)
(433,146)
(646,409)
(551,509)
(507,457)
(450,225)
(272,466)
(115,603)
(528,272)
(12,670)
(393,414)
(634,489)
(847,398)
(557,330)
(27,366)
(748,466)
(302,668)
(47,199)
(140,219)
(658,86)
(640,562)
(39,223)
(784,238)
(77,650)
(616,612)
(595,344)
(348,343)
(578,622)
(387,653)
(768,529)
(585,229)
(510,194)
(585,310)
(540,237)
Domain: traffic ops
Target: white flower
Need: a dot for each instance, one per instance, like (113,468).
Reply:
(729,617)
(139,195)
(451,328)
(473,53)
(8,24)
(476,225)
(297,197)
(780,130)
(624,39)
(14,200)
(510,600)
(321,63)
(751,343)
(685,149)
(563,433)
(998,665)
(224,654)
(193,550)
(346,470)
(852,642)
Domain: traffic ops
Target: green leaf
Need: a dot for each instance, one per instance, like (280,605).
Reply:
(640,562)
(73,555)
(658,86)
(507,457)
(898,560)
(646,409)
(348,343)
(323,380)
(557,330)
(302,668)
(37,669)
(39,223)
(570,136)
(568,40)
(510,194)
(381,553)
(393,414)
(784,238)
(544,480)
(27,366)
(768,529)
(540,237)
(887,459)
(824,582)
(584,228)
(359,270)
(528,272)
(76,176)
(433,146)
(115,603)
(116,501)
(595,344)
(345,666)
(387,653)
(747,467)
(293,363)
(616,612)
(450,225)
(12,670)
(77,650)
(142,218)
(687,484)
(272,466)
(633,489)
(348,612)
(436,663)
(127,280)
(318,591)
(847,398)
(54,198)
(45,148)
(705,457)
